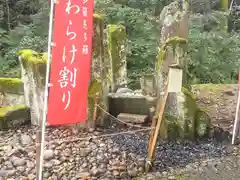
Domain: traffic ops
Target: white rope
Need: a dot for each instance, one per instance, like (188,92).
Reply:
(129,124)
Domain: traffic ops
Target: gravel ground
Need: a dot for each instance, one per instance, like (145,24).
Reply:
(116,157)
(123,156)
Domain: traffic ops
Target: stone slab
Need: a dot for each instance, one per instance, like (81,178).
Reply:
(132,118)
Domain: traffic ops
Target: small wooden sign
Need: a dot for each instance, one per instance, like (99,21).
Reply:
(175,80)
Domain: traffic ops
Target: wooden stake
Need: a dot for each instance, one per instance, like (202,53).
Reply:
(95,110)
(155,133)
(151,134)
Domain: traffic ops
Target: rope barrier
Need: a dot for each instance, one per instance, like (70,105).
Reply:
(104,135)
(107,135)
(129,124)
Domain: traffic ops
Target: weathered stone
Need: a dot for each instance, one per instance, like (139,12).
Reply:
(171,177)
(99,83)
(132,118)
(19,162)
(25,139)
(3,173)
(13,116)
(123,91)
(134,104)
(117,44)
(148,84)
(82,174)
(172,17)
(115,173)
(48,154)
(95,171)
(84,152)
(182,115)
(11,86)
(33,67)
(132,172)
(21,169)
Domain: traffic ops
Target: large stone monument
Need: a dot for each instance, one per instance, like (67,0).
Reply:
(182,116)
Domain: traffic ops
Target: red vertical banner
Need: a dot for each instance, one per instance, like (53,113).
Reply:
(71,61)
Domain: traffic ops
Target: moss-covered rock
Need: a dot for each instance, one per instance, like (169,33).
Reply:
(33,67)
(11,85)
(193,123)
(12,92)
(183,118)
(13,116)
(197,122)
(99,83)
(117,44)
(173,42)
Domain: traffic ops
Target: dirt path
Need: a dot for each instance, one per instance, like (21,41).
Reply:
(226,168)
(220,100)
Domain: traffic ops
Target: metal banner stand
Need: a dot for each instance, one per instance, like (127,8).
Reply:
(41,132)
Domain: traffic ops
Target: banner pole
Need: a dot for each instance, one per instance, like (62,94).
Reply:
(44,116)
(236,122)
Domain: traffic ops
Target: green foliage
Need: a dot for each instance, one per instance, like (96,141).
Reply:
(28,30)
(212,54)
(14,12)
(142,39)
(213,57)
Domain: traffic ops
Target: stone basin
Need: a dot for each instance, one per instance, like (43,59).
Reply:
(130,103)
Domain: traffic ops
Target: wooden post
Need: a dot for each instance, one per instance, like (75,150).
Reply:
(95,110)
(155,132)
(151,134)
(173,84)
